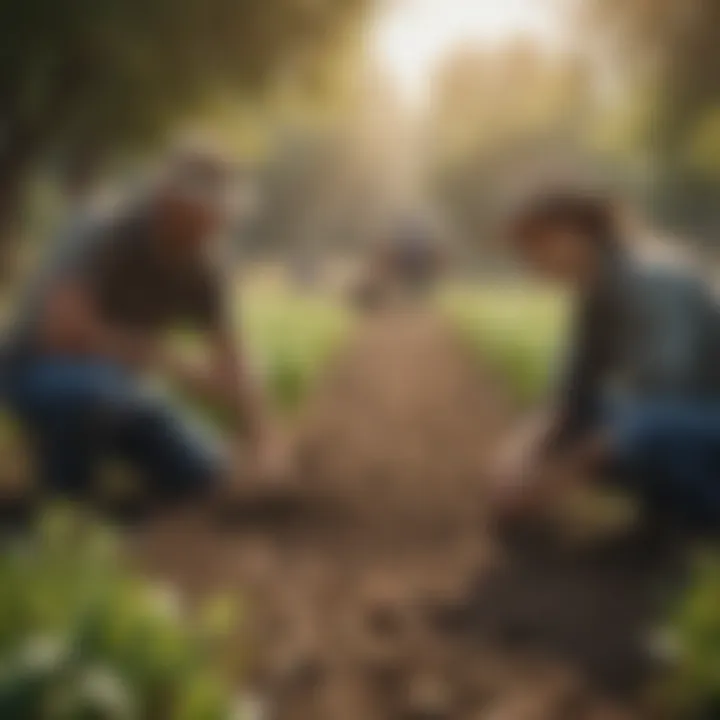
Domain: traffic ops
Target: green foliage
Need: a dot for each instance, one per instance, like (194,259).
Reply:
(694,687)
(669,52)
(293,337)
(149,60)
(514,328)
(672,44)
(702,151)
(290,338)
(94,78)
(83,638)
(640,107)
(497,113)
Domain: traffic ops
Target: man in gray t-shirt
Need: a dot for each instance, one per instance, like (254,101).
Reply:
(639,400)
(93,322)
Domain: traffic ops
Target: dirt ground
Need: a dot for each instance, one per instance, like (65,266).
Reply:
(385,596)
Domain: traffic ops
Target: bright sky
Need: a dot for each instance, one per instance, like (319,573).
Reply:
(411,36)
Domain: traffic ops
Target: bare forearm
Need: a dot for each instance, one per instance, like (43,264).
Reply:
(250,407)
(101,341)
(531,438)
(246,394)
(228,386)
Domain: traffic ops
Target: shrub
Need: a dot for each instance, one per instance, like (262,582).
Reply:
(81,637)
(693,689)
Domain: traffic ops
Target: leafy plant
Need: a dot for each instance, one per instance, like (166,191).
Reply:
(290,338)
(81,637)
(693,689)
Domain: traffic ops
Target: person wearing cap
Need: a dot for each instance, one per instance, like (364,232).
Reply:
(93,325)
(638,400)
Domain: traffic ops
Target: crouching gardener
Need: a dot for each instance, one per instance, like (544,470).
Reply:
(92,325)
(639,402)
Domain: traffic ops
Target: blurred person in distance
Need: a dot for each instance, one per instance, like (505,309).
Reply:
(413,256)
(407,262)
(94,321)
(638,401)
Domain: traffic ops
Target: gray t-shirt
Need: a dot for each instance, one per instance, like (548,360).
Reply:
(646,332)
(133,286)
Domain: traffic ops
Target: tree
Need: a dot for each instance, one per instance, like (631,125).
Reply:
(496,113)
(101,76)
(669,51)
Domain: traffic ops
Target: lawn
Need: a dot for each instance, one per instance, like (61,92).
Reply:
(516,327)
(291,336)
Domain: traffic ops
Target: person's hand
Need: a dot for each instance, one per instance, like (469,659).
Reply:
(512,473)
(261,472)
(271,460)
(513,461)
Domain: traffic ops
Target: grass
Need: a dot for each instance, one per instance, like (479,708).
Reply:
(516,328)
(291,337)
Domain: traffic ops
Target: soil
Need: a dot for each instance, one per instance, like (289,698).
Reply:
(385,595)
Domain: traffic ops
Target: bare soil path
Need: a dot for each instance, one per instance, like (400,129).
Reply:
(386,596)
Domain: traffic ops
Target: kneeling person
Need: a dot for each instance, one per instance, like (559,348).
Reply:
(92,325)
(639,401)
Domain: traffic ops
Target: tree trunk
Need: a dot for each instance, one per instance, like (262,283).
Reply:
(15,162)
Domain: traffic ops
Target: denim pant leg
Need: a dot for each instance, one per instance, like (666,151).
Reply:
(175,455)
(79,412)
(67,408)
(669,454)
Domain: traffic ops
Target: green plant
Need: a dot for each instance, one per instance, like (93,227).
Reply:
(693,688)
(514,328)
(290,338)
(81,637)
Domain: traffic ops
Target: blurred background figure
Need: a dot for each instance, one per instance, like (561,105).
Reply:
(412,257)
(406,264)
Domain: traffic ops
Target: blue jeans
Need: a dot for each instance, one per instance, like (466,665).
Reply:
(79,412)
(668,453)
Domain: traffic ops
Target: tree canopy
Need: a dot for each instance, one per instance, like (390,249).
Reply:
(669,53)
(99,76)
